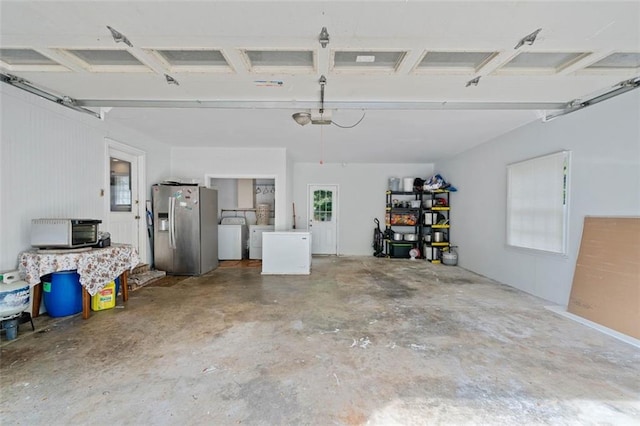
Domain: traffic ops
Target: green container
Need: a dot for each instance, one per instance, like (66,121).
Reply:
(400,250)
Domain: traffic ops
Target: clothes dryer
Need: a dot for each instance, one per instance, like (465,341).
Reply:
(255,239)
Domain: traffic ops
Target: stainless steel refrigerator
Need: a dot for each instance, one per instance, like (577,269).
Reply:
(185,229)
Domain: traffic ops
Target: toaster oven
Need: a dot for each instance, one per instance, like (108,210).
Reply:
(64,233)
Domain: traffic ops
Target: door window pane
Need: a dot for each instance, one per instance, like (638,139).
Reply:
(120,185)
(322,206)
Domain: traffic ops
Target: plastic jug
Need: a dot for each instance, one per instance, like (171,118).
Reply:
(105,298)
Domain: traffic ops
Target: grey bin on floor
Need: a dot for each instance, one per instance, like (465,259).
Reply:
(11,328)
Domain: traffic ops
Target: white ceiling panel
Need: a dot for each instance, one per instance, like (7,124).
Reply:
(195,57)
(18,57)
(105,57)
(429,50)
(383,136)
(465,60)
(626,60)
(369,60)
(282,60)
(551,61)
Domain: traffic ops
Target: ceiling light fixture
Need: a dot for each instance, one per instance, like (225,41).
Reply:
(65,101)
(528,39)
(302,118)
(171,80)
(324,37)
(118,37)
(320,116)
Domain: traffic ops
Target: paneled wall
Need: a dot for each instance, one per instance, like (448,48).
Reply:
(604,180)
(203,164)
(52,164)
(362,189)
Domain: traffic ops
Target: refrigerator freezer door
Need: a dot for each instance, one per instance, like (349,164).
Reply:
(162,254)
(208,230)
(186,257)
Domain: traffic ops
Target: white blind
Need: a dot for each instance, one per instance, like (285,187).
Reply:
(537,203)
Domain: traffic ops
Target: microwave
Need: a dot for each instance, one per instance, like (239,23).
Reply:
(64,233)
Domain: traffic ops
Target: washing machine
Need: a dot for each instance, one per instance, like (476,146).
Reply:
(232,238)
(255,240)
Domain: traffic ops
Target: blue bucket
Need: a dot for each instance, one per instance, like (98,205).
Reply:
(11,328)
(63,295)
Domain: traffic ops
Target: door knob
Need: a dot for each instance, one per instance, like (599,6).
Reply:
(137,217)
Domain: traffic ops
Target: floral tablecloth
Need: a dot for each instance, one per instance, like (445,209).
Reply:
(96,267)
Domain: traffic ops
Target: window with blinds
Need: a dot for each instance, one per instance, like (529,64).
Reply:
(537,203)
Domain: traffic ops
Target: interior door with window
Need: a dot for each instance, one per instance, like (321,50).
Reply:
(323,218)
(124,207)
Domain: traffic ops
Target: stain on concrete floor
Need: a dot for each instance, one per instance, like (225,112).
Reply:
(359,341)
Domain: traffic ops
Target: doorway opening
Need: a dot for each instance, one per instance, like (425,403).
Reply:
(242,196)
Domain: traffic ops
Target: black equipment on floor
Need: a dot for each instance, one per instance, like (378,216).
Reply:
(378,240)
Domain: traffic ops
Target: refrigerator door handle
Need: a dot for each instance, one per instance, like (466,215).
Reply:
(172,222)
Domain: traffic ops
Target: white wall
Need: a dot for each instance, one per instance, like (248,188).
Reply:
(227,193)
(605,180)
(291,222)
(361,190)
(206,163)
(52,164)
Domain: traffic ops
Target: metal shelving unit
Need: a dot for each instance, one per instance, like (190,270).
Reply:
(431,218)
(404,219)
(436,220)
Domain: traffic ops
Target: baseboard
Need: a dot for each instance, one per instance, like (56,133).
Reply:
(560,310)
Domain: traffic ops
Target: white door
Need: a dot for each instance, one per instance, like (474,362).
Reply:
(124,213)
(323,218)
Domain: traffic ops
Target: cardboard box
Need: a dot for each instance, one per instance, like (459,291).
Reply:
(606,282)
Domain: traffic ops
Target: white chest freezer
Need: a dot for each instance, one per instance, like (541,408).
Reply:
(286,253)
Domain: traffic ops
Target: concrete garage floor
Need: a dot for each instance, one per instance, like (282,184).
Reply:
(360,341)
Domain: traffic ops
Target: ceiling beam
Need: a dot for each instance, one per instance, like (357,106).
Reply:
(368,105)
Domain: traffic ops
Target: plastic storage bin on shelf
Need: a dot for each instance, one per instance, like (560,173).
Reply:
(63,294)
(400,250)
